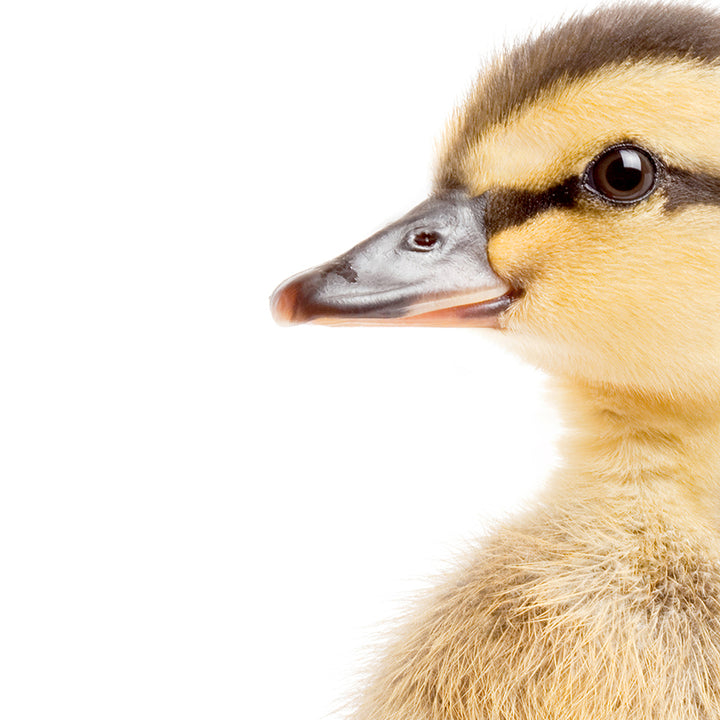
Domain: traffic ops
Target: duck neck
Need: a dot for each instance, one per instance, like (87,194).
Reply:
(657,447)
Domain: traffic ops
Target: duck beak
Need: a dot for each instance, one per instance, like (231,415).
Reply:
(430,268)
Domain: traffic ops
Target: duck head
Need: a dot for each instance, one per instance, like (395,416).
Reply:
(576,210)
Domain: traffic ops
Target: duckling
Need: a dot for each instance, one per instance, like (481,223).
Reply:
(576,210)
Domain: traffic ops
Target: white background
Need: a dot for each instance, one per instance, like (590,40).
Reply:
(203,515)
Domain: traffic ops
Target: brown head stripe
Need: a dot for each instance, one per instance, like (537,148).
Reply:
(510,207)
(584,44)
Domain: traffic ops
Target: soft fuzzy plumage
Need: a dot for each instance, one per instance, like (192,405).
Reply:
(604,601)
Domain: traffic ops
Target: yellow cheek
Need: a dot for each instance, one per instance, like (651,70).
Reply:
(617,291)
(545,243)
(622,243)
(549,257)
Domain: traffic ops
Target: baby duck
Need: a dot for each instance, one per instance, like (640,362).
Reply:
(576,210)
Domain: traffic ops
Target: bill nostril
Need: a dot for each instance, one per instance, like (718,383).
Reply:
(423,241)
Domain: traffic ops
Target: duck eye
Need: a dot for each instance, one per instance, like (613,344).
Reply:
(622,174)
(423,240)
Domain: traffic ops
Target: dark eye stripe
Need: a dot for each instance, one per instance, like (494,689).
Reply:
(686,188)
(508,208)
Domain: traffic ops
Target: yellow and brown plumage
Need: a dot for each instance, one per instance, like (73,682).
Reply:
(583,174)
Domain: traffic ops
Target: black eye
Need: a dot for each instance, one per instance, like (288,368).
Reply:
(423,240)
(622,174)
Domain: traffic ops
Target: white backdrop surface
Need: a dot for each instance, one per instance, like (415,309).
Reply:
(203,515)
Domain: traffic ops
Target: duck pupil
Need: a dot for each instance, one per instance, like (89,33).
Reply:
(622,177)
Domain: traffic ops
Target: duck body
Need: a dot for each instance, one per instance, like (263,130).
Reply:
(601,601)
(577,212)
